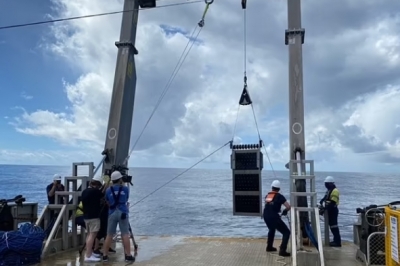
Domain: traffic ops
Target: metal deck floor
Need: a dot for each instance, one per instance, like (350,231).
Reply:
(202,251)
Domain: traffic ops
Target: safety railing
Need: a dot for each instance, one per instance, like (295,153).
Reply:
(65,214)
(376,249)
(61,220)
(392,218)
(296,243)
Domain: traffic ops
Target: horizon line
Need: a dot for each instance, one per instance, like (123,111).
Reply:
(157,167)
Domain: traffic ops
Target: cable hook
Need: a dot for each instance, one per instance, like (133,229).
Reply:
(244,4)
(208,3)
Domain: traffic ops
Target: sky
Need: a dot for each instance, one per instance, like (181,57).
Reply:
(56,82)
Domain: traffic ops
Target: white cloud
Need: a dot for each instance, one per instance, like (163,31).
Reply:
(351,109)
(26,96)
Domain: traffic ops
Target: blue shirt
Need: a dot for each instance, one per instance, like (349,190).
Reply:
(123,198)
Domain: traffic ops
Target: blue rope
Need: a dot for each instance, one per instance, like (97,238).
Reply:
(310,234)
(22,247)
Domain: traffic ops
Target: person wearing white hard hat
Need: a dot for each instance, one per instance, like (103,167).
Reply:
(91,203)
(330,203)
(117,197)
(51,190)
(53,187)
(103,217)
(103,213)
(273,204)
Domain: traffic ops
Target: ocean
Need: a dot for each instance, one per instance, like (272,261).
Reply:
(199,203)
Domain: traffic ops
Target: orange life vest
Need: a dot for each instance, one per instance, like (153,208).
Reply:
(270,197)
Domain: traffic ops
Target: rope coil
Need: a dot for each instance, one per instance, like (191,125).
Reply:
(22,247)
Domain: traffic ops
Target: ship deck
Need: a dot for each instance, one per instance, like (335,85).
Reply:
(199,251)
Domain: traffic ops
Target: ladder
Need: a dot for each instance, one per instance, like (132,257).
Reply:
(296,234)
(67,240)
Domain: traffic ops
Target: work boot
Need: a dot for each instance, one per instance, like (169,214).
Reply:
(270,249)
(334,244)
(283,253)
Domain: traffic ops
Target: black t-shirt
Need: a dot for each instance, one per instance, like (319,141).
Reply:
(276,204)
(91,201)
(52,199)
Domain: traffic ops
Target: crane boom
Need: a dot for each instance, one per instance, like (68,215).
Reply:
(123,94)
(294,38)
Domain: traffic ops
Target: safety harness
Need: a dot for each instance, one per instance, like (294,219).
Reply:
(116,198)
(269,199)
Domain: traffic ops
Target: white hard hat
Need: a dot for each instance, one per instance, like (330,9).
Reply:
(57,177)
(98,178)
(276,184)
(329,179)
(115,176)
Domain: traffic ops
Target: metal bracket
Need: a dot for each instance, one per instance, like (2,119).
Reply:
(259,145)
(127,44)
(294,32)
(107,153)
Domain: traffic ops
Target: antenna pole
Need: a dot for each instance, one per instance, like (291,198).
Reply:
(123,94)
(294,38)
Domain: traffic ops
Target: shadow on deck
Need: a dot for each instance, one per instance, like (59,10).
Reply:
(199,251)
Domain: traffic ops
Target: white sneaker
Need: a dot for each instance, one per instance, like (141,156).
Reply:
(96,255)
(92,259)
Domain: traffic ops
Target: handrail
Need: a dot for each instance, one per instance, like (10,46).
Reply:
(293,237)
(296,237)
(319,237)
(54,229)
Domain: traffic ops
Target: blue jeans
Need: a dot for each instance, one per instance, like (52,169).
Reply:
(114,219)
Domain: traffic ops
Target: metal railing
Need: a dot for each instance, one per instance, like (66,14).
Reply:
(296,242)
